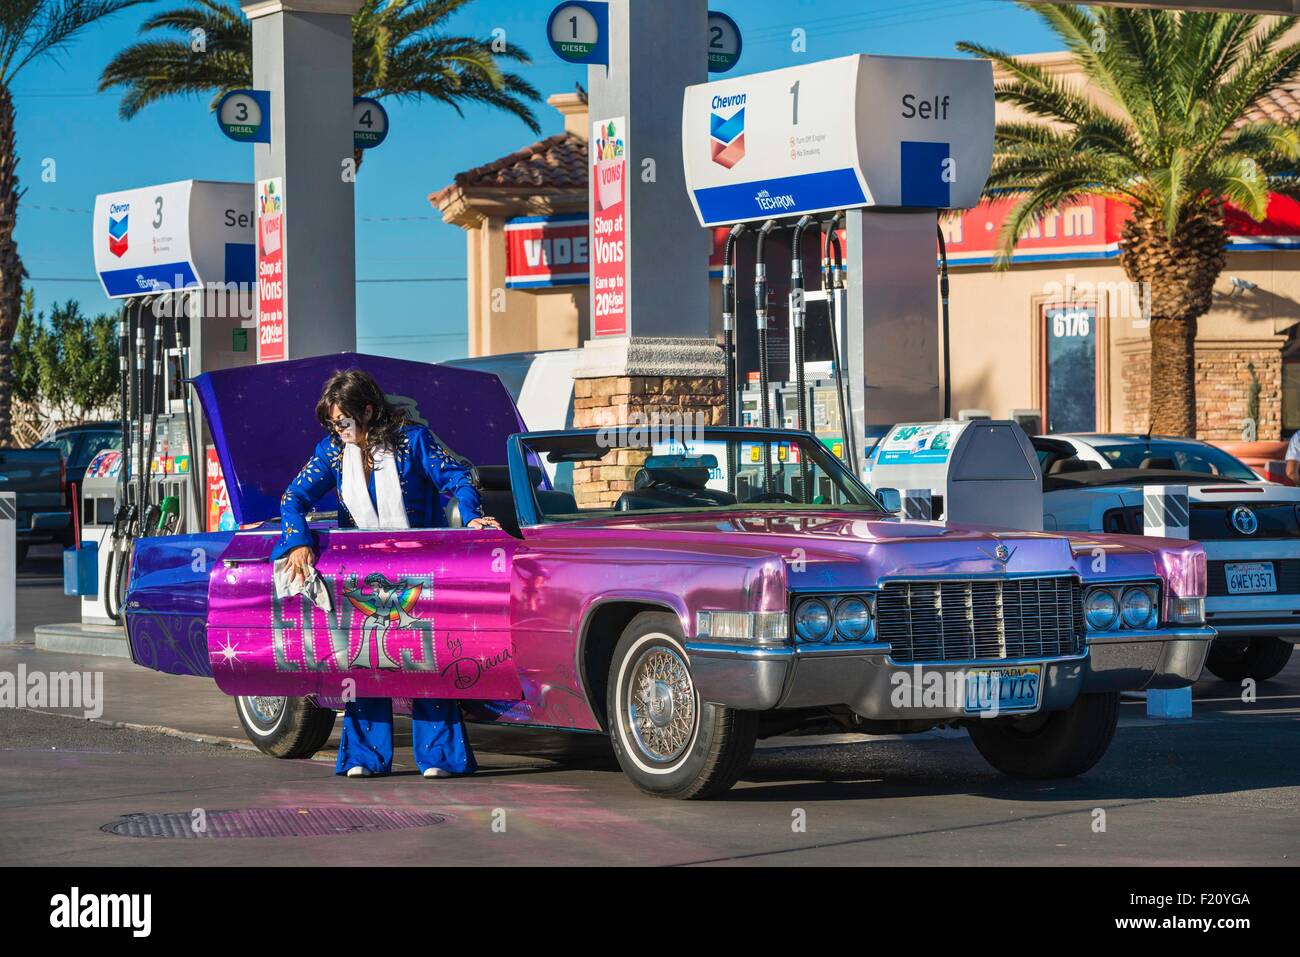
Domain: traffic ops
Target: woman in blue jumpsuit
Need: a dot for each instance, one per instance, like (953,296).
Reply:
(354,412)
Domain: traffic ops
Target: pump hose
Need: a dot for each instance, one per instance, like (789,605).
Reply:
(730,306)
(799,314)
(155,400)
(137,413)
(943,296)
(760,317)
(829,283)
(841,282)
(195,458)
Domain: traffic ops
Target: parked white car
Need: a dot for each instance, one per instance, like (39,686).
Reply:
(1250,529)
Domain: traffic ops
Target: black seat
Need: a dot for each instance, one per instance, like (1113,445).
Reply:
(672,488)
(499,501)
(1062,466)
(1162,463)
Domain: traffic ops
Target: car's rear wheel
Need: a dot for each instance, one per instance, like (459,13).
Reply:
(1054,744)
(1259,658)
(285,727)
(667,741)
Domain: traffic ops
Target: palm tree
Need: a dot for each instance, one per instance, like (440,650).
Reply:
(1171,139)
(29,30)
(397,51)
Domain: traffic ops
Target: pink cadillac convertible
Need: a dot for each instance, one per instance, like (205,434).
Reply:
(742,584)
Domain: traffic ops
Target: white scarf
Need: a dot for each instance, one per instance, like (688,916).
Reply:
(388,490)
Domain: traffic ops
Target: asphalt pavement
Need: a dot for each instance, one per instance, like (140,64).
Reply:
(1220,788)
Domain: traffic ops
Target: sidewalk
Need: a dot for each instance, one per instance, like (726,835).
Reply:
(138,698)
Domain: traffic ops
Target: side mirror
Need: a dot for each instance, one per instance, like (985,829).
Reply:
(891,499)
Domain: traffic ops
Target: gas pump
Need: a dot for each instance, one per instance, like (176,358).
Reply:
(869,149)
(181,257)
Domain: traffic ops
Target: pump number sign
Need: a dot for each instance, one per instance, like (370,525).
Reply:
(245,116)
(724,43)
(579,32)
(369,123)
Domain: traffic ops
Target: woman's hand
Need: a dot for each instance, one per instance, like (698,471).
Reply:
(301,559)
(484,521)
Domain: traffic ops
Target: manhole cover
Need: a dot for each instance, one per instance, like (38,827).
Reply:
(271,822)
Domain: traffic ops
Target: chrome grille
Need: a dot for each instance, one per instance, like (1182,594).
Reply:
(978,619)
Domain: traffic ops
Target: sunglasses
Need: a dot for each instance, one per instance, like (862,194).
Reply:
(338,425)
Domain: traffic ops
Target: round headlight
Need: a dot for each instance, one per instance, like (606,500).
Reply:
(1136,607)
(1100,609)
(812,620)
(853,619)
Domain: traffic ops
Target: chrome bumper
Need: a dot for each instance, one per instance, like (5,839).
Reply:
(863,677)
(1258,628)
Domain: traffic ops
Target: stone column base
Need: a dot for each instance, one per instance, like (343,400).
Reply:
(658,388)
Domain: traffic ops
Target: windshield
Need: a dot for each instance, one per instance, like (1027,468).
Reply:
(613,471)
(1176,456)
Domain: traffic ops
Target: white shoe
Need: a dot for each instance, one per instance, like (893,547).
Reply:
(436,773)
(357,771)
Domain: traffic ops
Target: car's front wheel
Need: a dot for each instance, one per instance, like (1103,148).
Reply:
(285,727)
(1053,744)
(1259,658)
(667,741)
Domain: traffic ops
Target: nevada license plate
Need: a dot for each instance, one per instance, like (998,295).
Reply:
(1250,578)
(999,690)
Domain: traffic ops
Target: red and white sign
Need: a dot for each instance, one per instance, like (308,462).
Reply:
(1086,229)
(607,195)
(220,517)
(546,251)
(270,270)
(1092,227)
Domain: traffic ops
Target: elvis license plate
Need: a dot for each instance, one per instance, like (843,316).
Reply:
(1003,690)
(1250,578)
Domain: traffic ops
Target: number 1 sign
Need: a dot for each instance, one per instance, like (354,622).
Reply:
(579,32)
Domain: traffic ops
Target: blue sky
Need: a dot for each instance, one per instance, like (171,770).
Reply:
(399,236)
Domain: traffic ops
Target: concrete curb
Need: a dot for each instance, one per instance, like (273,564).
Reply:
(239,744)
(105,641)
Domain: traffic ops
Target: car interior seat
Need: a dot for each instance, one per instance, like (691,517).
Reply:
(1063,466)
(1159,462)
(669,487)
(499,501)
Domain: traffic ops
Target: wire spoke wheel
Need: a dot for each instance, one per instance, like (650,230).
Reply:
(266,709)
(662,706)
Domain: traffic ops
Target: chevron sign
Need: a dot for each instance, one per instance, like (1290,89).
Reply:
(117,217)
(727,133)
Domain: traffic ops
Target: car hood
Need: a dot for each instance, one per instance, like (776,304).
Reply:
(263,418)
(848,550)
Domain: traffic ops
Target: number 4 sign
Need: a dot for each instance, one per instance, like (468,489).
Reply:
(369,123)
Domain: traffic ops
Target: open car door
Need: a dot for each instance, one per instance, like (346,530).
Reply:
(420,613)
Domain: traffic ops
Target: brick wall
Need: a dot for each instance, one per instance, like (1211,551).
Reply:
(637,401)
(1222,390)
